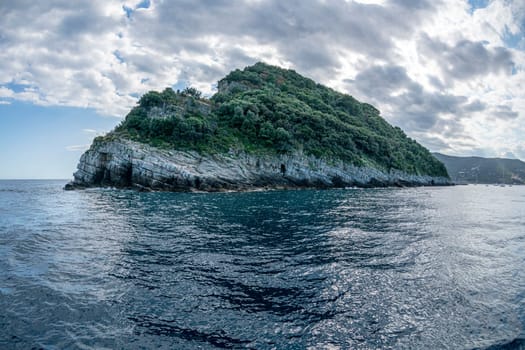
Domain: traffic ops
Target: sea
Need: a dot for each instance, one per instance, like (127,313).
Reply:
(389,268)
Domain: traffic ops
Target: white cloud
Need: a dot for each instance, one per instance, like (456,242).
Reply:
(437,69)
(77,148)
(5,92)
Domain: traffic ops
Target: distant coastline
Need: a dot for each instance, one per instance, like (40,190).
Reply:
(479,170)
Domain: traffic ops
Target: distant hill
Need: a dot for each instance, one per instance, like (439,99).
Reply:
(483,170)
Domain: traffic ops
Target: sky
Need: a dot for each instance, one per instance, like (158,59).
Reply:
(450,73)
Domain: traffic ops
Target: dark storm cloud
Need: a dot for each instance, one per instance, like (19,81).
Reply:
(466,59)
(419,110)
(307,33)
(436,82)
(88,22)
(58,20)
(55,35)
(442,142)
(311,35)
(504,112)
(432,142)
(475,106)
(392,85)
(308,57)
(415,108)
(416,4)
(381,81)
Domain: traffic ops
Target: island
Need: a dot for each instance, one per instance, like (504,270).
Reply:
(265,128)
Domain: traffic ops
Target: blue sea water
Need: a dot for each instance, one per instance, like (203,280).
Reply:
(414,268)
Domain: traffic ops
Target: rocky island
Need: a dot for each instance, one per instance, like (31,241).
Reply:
(266,127)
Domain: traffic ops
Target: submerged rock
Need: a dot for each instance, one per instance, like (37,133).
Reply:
(127,164)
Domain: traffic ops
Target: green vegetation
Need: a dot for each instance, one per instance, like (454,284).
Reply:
(266,109)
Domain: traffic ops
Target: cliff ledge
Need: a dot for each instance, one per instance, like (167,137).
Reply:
(127,164)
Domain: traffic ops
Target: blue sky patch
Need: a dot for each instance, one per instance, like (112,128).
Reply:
(17,87)
(143,5)
(128,10)
(514,41)
(180,85)
(477,4)
(56,134)
(118,56)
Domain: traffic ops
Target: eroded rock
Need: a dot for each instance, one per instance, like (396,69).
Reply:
(127,164)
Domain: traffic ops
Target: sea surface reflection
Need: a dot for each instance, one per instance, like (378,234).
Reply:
(432,268)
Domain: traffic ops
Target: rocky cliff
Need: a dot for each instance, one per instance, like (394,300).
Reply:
(127,164)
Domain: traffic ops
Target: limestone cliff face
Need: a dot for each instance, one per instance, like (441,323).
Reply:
(127,164)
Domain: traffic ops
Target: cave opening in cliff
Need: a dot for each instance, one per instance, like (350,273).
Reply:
(128,176)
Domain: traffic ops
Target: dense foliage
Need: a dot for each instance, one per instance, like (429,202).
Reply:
(268,109)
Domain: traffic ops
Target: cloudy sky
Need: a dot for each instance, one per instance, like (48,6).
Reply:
(451,73)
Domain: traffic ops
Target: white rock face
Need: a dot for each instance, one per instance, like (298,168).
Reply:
(124,163)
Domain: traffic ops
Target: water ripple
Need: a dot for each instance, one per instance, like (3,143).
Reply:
(433,268)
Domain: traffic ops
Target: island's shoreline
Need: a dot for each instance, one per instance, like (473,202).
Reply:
(122,163)
(249,190)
